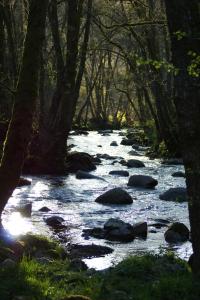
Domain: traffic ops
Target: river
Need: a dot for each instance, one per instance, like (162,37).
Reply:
(74,200)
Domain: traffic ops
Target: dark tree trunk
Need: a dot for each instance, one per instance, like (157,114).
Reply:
(58,118)
(184,16)
(19,131)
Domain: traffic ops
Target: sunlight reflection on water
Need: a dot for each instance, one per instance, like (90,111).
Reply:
(17,225)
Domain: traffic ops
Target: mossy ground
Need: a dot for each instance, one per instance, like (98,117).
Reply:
(147,277)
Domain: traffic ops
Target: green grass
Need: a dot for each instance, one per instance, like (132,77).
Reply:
(147,277)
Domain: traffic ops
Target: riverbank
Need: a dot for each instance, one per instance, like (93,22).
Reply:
(53,276)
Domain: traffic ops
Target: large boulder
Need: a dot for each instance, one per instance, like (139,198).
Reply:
(122,173)
(127,142)
(135,163)
(55,222)
(115,196)
(142,181)
(86,175)
(140,229)
(117,230)
(88,251)
(178,194)
(177,232)
(79,161)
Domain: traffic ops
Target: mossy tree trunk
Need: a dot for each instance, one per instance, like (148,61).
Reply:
(20,127)
(184,25)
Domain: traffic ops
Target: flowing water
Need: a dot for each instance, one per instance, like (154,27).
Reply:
(73,199)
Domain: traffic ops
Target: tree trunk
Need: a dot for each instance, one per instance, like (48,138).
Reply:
(57,121)
(19,131)
(183,17)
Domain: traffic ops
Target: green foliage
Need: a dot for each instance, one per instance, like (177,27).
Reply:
(180,35)
(147,277)
(194,67)
(38,243)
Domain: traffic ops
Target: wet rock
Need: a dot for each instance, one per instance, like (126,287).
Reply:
(142,181)
(85,175)
(26,210)
(115,196)
(44,209)
(79,161)
(140,229)
(54,221)
(127,142)
(117,230)
(123,162)
(172,161)
(115,223)
(134,163)
(134,153)
(88,251)
(106,156)
(177,232)
(178,174)
(119,173)
(135,146)
(78,265)
(105,131)
(23,182)
(97,232)
(178,194)
(114,143)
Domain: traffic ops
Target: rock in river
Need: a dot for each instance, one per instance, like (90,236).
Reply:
(176,233)
(127,142)
(115,196)
(142,181)
(114,143)
(86,175)
(80,161)
(178,174)
(88,251)
(117,230)
(135,163)
(119,173)
(178,194)
(55,222)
